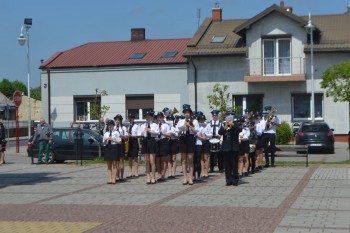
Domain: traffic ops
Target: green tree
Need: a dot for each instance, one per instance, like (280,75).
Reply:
(336,81)
(35,93)
(20,86)
(221,100)
(6,88)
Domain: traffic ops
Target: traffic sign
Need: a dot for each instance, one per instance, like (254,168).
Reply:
(17,98)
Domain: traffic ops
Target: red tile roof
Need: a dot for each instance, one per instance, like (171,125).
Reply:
(116,53)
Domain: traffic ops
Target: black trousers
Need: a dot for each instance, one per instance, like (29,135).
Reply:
(252,161)
(218,156)
(269,137)
(231,166)
(197,161)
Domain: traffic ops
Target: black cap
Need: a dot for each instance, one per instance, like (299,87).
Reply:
(251,123)
(131,115)
(149,113)
(215,112)
(268,108)
(201,117)
(160,114)
(187,107)
(110,122)
(246,110)
(118,116)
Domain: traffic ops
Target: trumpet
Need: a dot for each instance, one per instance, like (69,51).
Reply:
(269,118)
(228,126)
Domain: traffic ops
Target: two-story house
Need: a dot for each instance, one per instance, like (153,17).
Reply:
(265,60)
(138,75)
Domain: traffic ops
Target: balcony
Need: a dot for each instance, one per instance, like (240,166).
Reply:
(272,69)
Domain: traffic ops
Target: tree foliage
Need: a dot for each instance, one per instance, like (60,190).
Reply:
(221,100)
(96,110)
(336,81)
(35,93)
(6,88)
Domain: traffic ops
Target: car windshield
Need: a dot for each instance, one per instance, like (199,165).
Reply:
(315,128)
(94,134)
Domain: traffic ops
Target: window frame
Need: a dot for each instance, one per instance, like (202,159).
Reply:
(85,99)
(308,118)
(142,107)
(276,59)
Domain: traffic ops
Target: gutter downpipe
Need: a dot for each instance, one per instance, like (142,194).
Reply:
(49,94)
(195,85)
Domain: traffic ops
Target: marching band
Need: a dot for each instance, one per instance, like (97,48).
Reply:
(236,146)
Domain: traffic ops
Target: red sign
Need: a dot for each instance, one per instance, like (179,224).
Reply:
(17,98)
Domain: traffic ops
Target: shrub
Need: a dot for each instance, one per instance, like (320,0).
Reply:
(284,133)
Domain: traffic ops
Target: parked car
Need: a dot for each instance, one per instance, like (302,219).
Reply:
(317,135)
(64,145)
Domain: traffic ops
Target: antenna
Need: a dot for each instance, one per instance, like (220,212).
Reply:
(199,16)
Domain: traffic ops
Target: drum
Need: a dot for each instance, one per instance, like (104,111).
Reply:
(214,145)
(251,148)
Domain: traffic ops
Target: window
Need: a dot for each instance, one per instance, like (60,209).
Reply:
(252,102)
(277,56)
(139,105)
(137,56)
(301,106)
(218,39)
(169,54)
(82,108)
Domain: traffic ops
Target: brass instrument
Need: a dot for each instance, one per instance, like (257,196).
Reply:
(269,118)
(174,111)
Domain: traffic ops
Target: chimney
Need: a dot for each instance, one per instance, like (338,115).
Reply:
(138,34)
(286,8)
(217,13)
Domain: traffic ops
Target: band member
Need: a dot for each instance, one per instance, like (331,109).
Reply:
(173,147)
(111,139)
(2,142)
(162,151)
(201,139)
(253,138)
(123,133)
(149,130)
(259,127)
(230,149)
(187,128)
(100,126)
(269,139)
(243,162)
(133,141)
(247,114)
(213,127)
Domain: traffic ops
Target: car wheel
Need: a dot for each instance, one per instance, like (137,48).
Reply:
(51,157)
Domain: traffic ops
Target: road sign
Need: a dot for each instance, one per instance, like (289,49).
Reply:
(17,98)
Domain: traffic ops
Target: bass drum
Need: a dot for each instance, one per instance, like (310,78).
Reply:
(214,145)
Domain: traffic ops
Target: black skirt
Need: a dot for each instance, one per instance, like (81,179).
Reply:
(206,147)
(174,147)
(187,144)
(111,153)
(162,147)
(244,147)
(148,146)
(133,147)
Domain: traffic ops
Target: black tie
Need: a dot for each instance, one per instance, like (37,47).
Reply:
(188,129)
(214,129)
(110,135)
(148,133)
(160,130)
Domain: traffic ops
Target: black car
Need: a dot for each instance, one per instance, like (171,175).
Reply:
(317,135)
(65,144)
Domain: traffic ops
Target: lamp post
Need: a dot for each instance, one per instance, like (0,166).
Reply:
(310,29)
(22,40)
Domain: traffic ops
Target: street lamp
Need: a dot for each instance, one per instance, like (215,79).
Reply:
(22,40)
(310,29)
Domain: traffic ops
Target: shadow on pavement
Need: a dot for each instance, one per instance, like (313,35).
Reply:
(28,178)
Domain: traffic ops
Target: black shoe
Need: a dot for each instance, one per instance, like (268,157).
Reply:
(211,171)
(235,184)
(273,165)
(240,177)
(260,167)
(221,171)
(246,174)
(252,171)
(266,165)
(228,184)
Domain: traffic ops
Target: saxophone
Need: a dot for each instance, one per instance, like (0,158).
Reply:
(269,118)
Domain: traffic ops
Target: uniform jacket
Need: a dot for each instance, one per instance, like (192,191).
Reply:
(230,138)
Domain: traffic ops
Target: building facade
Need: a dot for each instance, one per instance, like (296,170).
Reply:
(138,75)
(265,60)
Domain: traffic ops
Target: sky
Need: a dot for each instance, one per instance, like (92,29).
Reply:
(64,24)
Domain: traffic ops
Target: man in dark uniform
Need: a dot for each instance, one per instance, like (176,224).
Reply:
(230,149)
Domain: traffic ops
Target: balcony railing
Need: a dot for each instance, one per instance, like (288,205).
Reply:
(275,69)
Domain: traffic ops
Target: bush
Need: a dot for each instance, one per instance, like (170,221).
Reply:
(284,133)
